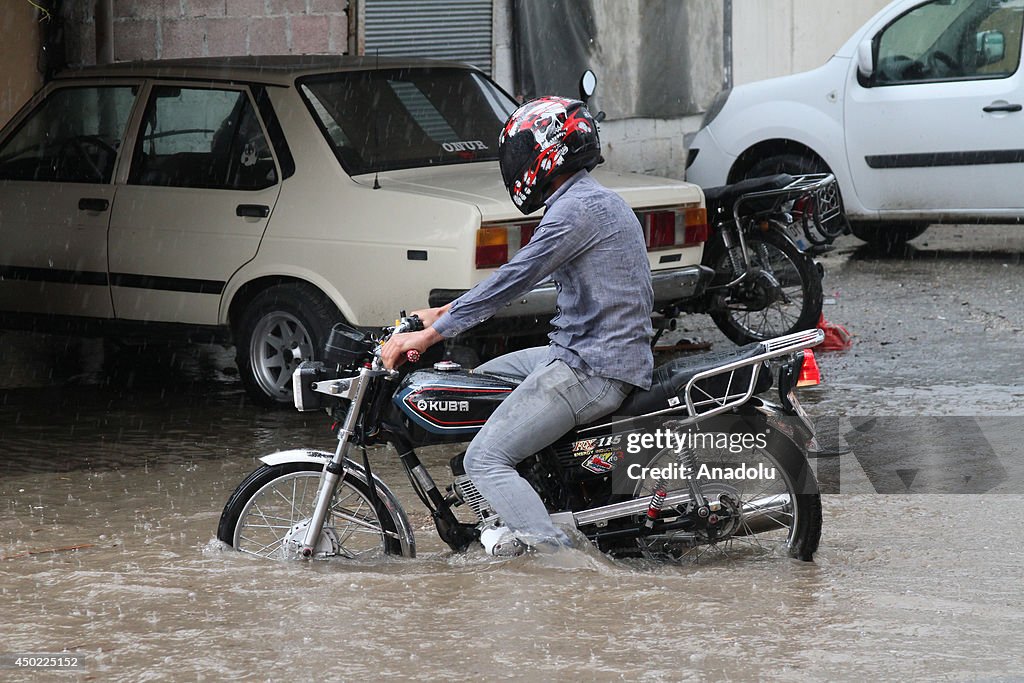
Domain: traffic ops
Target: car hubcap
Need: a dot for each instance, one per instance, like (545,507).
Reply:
(279,343)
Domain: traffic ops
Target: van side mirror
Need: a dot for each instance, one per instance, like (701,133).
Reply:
(991,47)
(866,60)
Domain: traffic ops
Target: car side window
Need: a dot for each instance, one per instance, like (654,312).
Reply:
(202,138)
(72,136)
(947,40)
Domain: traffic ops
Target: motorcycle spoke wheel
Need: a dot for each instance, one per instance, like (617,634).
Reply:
(271,521)
(775,513)
(785,297)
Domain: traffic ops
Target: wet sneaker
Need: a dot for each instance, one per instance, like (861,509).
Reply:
(501,542)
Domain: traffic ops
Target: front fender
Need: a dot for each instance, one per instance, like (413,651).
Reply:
(389,499)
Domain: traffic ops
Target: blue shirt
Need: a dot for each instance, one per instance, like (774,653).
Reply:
(592,245)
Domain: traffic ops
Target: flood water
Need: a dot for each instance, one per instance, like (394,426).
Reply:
(127,455)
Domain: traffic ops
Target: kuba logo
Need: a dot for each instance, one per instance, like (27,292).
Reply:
(443,406)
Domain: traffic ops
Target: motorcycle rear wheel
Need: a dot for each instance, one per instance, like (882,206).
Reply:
(267,513)
(742,316)
(781,516)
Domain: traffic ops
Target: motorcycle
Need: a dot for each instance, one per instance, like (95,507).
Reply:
(701,463)
(765,233)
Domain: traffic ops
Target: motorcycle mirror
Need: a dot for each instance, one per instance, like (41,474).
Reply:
(588,84)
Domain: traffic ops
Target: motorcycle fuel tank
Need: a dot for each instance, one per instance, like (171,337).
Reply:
(451,403)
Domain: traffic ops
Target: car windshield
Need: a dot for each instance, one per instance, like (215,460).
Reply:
(404,118)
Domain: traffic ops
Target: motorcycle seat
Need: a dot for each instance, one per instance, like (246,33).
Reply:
(724,196)
(670,379)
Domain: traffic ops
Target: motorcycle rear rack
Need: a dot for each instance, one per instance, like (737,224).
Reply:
(701,405)
(821,217)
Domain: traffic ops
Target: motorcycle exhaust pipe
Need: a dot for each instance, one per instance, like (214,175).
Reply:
(763,514)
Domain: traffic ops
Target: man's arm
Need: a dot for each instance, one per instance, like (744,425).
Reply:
(555,242)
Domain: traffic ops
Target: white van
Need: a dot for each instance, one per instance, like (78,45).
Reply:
(919,116)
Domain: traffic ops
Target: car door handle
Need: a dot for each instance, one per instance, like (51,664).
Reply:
(1012,108)
(93,204)
(252,211)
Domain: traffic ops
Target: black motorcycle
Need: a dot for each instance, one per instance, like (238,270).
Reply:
(702,463)
(765,233)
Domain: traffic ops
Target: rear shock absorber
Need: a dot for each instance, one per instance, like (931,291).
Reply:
(687,458)
(657,501)
(734,250)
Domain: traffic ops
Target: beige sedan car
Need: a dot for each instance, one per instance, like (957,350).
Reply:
(264,199)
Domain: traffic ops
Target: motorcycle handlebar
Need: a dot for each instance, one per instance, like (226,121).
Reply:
(405,323)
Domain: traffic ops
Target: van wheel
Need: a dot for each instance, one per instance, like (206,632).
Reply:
(887,237)
(281,327)
(793,164)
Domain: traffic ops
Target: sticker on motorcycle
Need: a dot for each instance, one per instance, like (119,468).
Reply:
(602,463)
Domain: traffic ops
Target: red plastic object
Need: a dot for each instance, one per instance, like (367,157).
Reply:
(413,356)
(810,375)
(837,338)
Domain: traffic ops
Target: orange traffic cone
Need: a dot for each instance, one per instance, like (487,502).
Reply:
(810,375)
(837,338)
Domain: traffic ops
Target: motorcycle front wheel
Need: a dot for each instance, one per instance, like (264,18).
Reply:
(763,501)
(783,297)
(268,513)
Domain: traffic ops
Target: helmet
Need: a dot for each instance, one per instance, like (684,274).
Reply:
(541,140)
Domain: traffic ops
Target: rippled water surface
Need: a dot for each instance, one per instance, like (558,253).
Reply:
(130,456)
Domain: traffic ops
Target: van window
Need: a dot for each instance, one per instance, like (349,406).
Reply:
(945,40)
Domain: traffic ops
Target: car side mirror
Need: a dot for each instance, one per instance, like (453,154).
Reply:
(588,84)
(991,47)
(866,60)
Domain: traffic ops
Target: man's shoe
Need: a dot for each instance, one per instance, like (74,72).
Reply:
(501,542)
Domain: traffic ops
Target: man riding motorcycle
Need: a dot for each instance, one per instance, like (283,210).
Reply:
(591,245)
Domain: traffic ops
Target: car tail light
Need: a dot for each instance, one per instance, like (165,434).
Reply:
(497,243)
(674,228)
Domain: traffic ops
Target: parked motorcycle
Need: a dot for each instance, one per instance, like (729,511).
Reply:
(764,235)
(701,463)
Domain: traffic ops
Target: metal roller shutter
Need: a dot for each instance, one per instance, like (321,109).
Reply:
(459,30)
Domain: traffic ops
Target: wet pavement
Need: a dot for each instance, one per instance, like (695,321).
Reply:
(115,462)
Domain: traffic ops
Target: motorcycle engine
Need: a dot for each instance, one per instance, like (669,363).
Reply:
(468,494)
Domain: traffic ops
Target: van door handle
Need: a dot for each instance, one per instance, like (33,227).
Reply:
(1011,108)
(252,211)
(93,204)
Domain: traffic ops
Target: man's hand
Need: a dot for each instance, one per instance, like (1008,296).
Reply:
(393,353)
(430,315)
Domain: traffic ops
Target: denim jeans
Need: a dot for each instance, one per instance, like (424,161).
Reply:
(552,400)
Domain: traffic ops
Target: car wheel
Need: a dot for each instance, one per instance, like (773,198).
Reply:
(793,164)
(281,327)
(887,236)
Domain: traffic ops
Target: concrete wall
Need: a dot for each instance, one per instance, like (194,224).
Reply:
(167,29)
(19,51)
(778,37)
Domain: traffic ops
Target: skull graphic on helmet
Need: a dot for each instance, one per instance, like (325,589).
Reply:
(541,140)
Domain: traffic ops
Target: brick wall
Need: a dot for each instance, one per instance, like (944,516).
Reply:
(169,29)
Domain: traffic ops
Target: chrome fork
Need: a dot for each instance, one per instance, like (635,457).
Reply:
(334,470)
